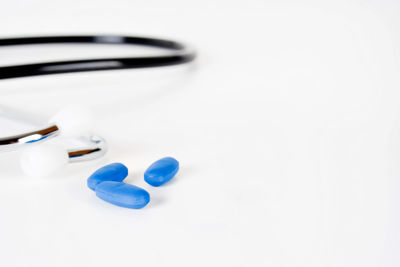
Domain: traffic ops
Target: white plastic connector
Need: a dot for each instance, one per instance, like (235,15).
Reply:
(42,160)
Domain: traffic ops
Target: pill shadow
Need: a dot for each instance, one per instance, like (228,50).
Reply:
(156,200)
(183,173)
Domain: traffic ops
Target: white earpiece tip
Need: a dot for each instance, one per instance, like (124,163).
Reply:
(74,121)
(42,160)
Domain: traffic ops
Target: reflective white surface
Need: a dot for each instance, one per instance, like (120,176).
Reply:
(287,130)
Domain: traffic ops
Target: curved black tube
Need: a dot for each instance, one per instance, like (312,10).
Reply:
(179,54)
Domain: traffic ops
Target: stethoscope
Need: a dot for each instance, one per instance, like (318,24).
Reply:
(178,54)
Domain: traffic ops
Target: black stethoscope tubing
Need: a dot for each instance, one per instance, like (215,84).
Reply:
(179,53)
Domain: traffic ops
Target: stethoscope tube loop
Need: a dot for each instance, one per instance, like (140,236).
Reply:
(178,54)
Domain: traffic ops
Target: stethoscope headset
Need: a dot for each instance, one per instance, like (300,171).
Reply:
(42,157)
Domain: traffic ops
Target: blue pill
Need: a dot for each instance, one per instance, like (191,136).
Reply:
(161,171)
(113,172)
(123,195)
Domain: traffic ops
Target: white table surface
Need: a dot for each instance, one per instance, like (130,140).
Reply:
(287,129)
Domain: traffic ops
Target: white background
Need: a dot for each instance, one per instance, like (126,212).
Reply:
(287,129)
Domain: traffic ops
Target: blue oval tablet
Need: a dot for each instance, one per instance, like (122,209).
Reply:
(123,195)
(112,172)
(161,171)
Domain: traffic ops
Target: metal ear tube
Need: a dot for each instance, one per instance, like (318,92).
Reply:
(97,148)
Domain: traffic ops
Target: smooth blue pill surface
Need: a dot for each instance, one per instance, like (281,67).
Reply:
(123,195)
(161,171)
(112,172)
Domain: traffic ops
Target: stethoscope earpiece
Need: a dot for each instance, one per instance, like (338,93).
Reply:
(43,159)
(40,159)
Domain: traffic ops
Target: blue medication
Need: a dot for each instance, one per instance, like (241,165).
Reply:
(161,171)
(123,195)
(113,172)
